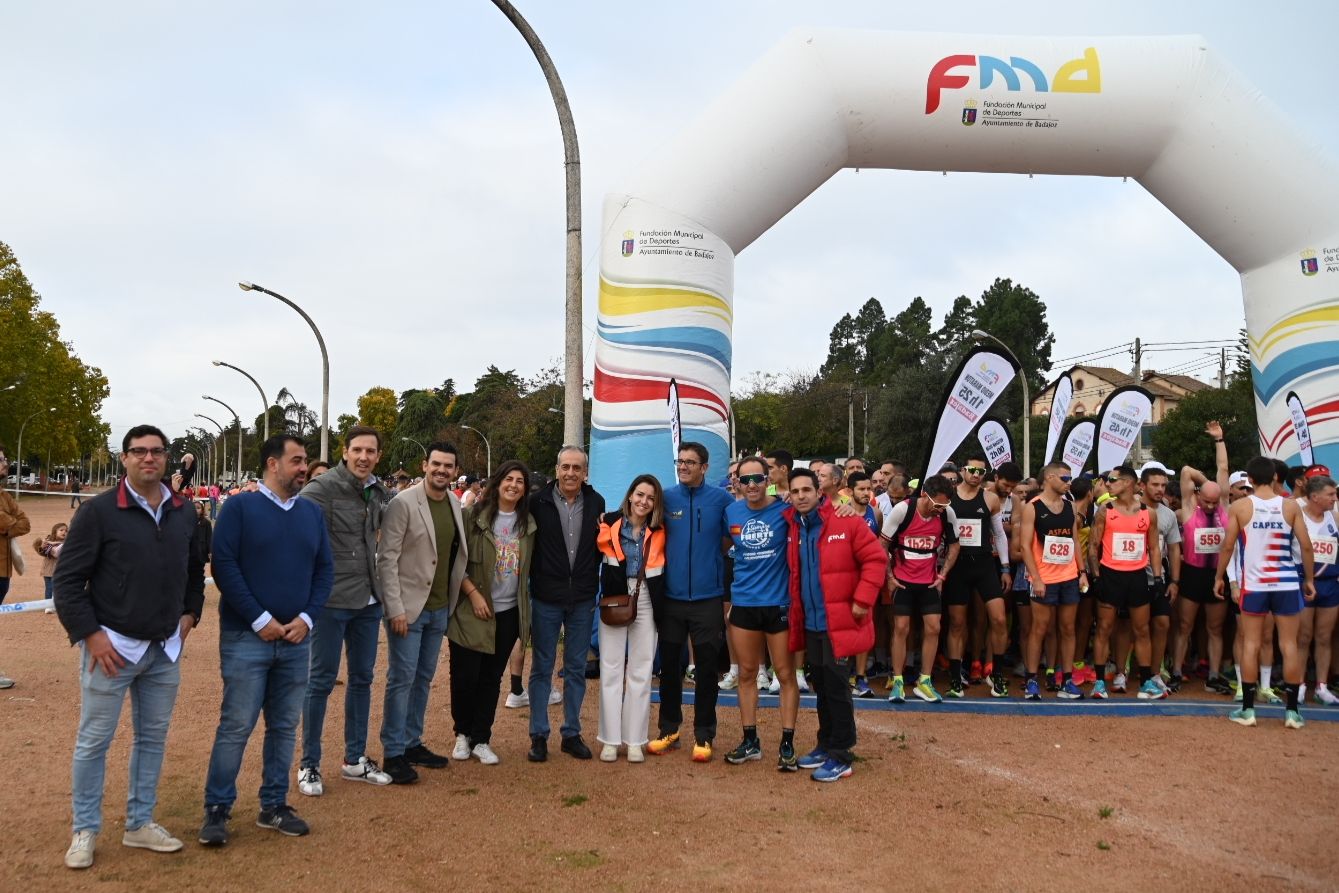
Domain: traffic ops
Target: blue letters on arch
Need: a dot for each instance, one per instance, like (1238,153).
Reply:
(989,65)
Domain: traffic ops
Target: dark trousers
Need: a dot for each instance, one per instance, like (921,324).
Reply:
(703,624)
(836,712)
(476,679)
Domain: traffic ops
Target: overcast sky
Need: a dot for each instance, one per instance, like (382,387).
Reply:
(396,168)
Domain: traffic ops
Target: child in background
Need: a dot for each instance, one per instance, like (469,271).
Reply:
(49,548)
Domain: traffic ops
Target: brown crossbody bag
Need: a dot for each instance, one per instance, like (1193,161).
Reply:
(621,610)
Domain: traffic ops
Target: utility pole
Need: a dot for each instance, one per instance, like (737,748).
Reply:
(850,421)
(866,447)
(1138,361)
(1222,368)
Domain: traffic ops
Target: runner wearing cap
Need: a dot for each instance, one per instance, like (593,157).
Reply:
(1239,485)
(1127,537)
(982,568)
(1051,555)
(1264,527)
(1318,618)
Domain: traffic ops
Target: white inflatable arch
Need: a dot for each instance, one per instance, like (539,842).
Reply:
(1163,110)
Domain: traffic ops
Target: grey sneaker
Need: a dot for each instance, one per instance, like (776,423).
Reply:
(5,681)
(80,853)
(152,836)
(283,819)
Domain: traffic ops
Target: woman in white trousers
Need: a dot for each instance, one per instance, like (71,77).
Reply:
(633,542)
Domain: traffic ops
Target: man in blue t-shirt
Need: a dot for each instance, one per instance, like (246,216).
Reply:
(273,565)
(696,540)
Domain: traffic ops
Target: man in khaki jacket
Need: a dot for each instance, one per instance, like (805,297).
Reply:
(420,563)
(13,524)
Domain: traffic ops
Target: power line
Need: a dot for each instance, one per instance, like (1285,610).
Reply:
(1105,351)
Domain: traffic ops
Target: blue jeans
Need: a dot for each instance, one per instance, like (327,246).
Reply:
(356,631)
(412,662)
(50,589)
(257,675)
(546,620)
(152,684)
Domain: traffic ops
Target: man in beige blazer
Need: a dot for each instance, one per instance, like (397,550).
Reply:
(420,563)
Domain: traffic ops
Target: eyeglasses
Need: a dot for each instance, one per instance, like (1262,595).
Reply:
(973,469)
(747,479)
(141,452)
(686,463)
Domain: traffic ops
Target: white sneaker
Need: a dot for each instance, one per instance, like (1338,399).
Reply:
(774,687)
(1161,683)
(309,782)
(636,754)
(462,749)
(801,681)
(730,682)
(1301,693)
(555,695)
(1118,684)
(484,754)
(609,753)
(80,853)
(764,680)
(516,701)
(365,770)
(152,836)
(1324,695)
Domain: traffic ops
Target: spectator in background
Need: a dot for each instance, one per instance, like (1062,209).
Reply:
(49,547)
(13,524)
(75,486)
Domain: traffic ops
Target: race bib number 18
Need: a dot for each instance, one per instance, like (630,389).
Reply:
(1127,546)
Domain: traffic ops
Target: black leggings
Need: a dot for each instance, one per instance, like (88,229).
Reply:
(476,679)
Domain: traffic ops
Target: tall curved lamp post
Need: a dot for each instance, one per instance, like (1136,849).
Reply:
(264,401)
(222,440)
(239,433)
(983,335)
(18,473)
(325,365)
(487,446)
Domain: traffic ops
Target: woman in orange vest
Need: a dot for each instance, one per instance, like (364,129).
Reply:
(632,540)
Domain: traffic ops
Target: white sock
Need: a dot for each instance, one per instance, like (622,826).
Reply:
(734,669)
(1238,669)
(1265,673)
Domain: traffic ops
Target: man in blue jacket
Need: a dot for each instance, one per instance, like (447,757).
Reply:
(274,569)
(697,536)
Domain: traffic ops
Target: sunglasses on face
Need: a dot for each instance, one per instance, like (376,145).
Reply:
(1065,478)
(973,469)
(1113,478)
(939,506)
(747,479)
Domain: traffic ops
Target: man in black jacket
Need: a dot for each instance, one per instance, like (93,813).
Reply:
(129,588)
(564,580)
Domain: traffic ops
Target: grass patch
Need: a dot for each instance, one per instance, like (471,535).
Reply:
(1105,812)
(575,800)
(579,858)
(1103,845)
(468,792)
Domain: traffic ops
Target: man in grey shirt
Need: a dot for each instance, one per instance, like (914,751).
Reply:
(1153,477)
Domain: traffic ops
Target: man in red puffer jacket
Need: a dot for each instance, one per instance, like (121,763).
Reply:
(836,568)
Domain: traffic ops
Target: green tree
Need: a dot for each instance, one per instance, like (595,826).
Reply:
(852,344)
(1179,439)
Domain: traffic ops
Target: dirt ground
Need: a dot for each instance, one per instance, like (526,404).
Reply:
(937,802)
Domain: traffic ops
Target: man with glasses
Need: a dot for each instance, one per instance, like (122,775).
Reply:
(129,588)
(914,531)
(697,536)
(13,525)
(982,568)
(1050,552)
(1123,542)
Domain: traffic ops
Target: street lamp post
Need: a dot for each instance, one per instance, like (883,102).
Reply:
(572,367)
(417,444)
(18,475)
(325,365)
(264,401)
(487,446)
(981,335)
(239,433)
(223,440)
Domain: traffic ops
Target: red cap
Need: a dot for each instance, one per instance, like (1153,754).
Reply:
(1316,471)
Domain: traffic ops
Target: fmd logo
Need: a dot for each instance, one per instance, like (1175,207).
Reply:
(1081,75)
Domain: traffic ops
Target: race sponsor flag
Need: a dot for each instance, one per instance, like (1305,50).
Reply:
(1122,418)
(675,422)
(981,377)
(1064,396)
(1078,445)
(1301,429)
(994,439)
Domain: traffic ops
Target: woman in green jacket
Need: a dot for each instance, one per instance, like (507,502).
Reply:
(495,609)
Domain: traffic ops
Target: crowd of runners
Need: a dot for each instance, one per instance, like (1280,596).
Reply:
(771,579)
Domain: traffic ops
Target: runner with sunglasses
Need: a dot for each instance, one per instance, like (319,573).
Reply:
(914,531)
(1054,569)
(983,568)
(759,610)
(1123,540)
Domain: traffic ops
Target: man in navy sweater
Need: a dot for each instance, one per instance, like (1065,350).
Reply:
(273,566)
